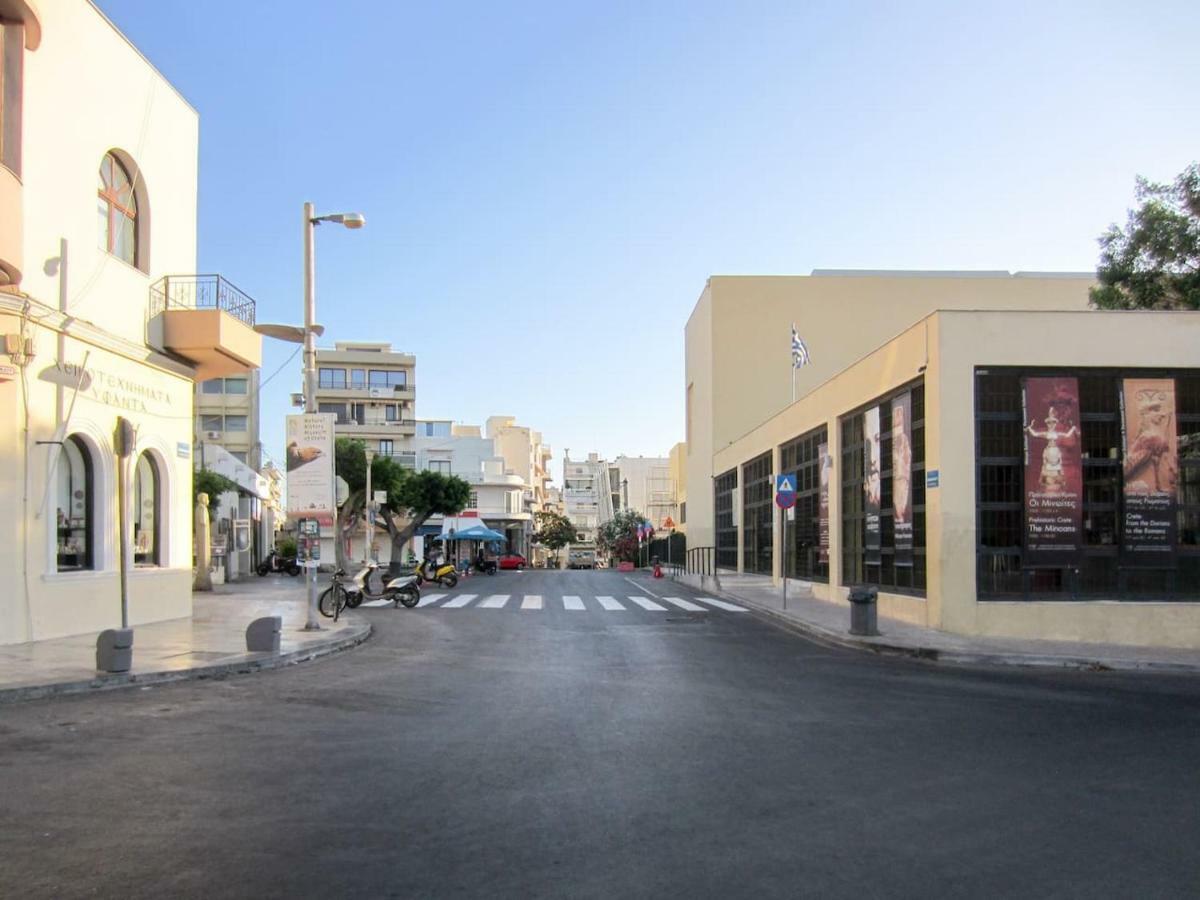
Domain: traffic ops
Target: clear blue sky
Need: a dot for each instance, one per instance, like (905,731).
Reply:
(547,186)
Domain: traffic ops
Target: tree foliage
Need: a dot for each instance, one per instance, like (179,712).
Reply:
(555,531)
(206,481)
(412,497)
(618,536)
(1154,261)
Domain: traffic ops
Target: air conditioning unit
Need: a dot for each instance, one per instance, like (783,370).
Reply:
(213,435)
(378,393)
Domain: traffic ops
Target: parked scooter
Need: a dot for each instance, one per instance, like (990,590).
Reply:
(276,563)
(442,573)
(401,590)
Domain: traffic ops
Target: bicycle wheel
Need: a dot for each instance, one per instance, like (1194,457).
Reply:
(332,601)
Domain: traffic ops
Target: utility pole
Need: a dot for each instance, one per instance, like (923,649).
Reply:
(310,387)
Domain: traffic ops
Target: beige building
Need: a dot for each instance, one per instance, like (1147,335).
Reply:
(227,416)
(101,323)
(525,454)
(677,472)
(370,388)
(644,483)
(961,442)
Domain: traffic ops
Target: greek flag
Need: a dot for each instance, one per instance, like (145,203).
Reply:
(800,355)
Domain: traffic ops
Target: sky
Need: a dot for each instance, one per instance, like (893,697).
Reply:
(548,185)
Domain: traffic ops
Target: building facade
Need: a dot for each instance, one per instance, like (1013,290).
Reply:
(103,326)
(370,389)
(678,475)
(227,415)
(1026,470)
(587,494)
(644,483)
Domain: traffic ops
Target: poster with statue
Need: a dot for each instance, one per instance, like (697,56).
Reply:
(872,484)
(902,495)
(1053,470)
(1151,470)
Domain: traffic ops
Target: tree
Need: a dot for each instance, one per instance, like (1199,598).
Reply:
(412,497)
(205,481)
(555,531)
(618,536)
(1154,262)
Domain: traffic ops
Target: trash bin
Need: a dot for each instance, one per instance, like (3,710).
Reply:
(863,618)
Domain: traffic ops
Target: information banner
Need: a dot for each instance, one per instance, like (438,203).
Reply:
(871,484)
(826,471)
(1053,470)
(1151,470)
(310,465)
(902,495)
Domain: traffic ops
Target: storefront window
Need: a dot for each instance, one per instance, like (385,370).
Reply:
(757,515)
(147,500)
(726,530)
(75,487)
(806,537)
(1110,543)
(883,493)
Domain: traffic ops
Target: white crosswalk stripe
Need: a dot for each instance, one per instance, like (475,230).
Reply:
(572,602)
(721,604)
(459,601)
(430,598)
(532,601)
(647,603)
(610,603)
(685,604)
(494,601)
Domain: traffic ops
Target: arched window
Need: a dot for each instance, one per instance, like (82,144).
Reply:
(147,512)
(117,210)
(76,531)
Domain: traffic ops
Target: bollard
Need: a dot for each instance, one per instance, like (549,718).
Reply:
(262,635)
(863,618)
(114,650)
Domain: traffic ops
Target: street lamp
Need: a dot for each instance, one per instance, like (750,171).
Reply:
(308,337)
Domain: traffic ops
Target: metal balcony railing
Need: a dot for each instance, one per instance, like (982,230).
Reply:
(201,292)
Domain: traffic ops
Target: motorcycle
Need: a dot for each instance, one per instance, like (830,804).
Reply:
(402,590)
(438,573)
(276,563)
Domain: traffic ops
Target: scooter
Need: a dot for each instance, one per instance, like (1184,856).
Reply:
(439,573)
(276,563)
(401,590)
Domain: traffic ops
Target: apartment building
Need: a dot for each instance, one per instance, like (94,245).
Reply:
(370,388)
(227,416)
(678,475)
(644,483)
(587,494)
(525,454)
(103,327)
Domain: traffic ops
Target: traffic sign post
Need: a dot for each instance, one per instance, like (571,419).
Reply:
(785,499)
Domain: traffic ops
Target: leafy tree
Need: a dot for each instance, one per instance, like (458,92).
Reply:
(555,531)
(1154,261)
(412,497)
(205,481)
(618,536)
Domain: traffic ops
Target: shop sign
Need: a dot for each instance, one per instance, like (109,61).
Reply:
(310,477)
(902,504)
(826,462)
(119,391)
(871,485)
(1053,470)
(1151,467)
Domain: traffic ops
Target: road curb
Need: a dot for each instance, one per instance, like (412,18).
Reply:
(352,638)
(956,657)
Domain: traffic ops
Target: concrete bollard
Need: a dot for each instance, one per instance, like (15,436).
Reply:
(114,650)
(262,635)
(863,617)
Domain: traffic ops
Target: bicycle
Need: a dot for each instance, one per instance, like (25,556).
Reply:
(334,598)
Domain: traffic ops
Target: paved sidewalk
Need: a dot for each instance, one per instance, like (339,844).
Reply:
(829,622)
(211,643)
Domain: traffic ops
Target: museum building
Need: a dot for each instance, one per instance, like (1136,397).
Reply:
(103,324)
(993,455)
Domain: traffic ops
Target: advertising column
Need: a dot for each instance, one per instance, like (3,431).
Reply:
(1053,471)
(902,478)
(1151,470)
(310,490)
(871,485)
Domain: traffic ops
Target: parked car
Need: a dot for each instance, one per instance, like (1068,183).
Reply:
(513,561)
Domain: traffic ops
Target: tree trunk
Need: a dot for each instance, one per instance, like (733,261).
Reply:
(401,534)
(356,499)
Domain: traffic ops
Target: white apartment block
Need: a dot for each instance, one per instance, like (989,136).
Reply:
(587,494)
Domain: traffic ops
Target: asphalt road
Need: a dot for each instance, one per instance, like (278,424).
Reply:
(588,752)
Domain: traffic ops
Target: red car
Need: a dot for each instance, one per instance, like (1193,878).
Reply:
(513,561)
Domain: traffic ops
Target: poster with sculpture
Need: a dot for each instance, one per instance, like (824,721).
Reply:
(1053,470)
(902,457)
(872,485)
(1151,470)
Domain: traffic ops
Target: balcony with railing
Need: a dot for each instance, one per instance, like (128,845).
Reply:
(208,321)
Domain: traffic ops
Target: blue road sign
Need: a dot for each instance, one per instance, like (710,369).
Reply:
(785,484)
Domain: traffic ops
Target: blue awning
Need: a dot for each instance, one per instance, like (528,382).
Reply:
(476,533)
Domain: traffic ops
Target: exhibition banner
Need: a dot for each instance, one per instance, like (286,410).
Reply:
(1053,470)
(1151,469)
(310,492)
(902,503)
(826,469)
(871,484)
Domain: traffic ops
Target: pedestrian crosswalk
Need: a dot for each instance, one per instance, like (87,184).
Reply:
(572,603)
